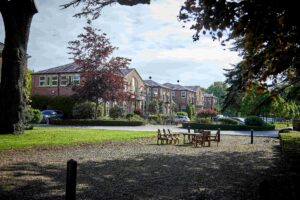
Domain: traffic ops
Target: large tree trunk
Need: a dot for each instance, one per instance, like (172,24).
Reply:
(17,16)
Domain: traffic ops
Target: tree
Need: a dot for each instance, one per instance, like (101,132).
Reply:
(153,107)
(218,89)
(17,16)
(101,74)
(266,33)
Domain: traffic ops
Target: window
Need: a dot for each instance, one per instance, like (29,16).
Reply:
(133,87)
(75,79)
(173,94)
(155,92)
(183,94)
(54,80)
(42,81)
(64,80)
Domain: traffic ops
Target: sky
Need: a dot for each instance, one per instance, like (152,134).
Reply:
(150,35)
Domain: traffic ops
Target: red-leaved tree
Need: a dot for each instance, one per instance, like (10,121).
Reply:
(101,77)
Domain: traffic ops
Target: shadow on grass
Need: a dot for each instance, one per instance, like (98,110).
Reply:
(210,175)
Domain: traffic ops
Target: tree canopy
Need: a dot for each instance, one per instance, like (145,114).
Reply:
(101,76)
(265,33)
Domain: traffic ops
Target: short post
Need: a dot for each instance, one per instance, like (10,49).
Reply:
(251,136)
(189,129)
(71,180)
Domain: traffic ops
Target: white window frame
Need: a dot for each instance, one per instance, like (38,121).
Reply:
(52,79)
(155,92)
(42,81)
(62,79)
(75,78)
(183,94)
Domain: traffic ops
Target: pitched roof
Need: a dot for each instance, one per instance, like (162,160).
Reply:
(177,87)
(126,71)
(194,88)
(68,68)
(154,84)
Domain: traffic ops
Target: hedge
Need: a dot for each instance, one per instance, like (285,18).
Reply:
(227,127)
(296,125)
(92,122)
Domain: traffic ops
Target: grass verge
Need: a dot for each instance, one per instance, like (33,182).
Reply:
(48,136)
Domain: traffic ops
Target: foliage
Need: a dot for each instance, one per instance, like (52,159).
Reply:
(296,125)
(95,122)
(218,89)
(101,76)
(254,121)
(46,137)
(206,113)
(129,116)
(28,84)
(191,111)
(225,120)
(33,116)
(182,114)
(265,33)
(153,107)
(115,112)
(228,127)
(84,110)
(62,103)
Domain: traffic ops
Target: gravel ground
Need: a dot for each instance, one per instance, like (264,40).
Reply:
(140,169)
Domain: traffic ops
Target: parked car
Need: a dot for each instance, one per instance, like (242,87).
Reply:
(240,120)
(180,118)
(48,114)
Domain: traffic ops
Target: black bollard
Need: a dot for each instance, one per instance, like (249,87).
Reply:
(251,136)
(71,180)
(189,129)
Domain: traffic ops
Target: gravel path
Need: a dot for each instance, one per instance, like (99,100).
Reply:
(140,169)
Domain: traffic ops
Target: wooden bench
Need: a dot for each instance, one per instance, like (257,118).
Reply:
(216,137)
(162,137)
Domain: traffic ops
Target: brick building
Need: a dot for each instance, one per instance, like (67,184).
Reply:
(159,92)
(210,101)
(199,97)
(182,96)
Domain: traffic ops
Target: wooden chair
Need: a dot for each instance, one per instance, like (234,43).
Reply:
(201,138)
(169,136)
(216,137)
(161,137)
(175,136)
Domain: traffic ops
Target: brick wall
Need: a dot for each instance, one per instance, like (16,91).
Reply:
(49,90)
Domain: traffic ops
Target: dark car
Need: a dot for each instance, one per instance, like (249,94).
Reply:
(51,114)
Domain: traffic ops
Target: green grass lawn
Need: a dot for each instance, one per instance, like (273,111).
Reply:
(280,125)
(47,137)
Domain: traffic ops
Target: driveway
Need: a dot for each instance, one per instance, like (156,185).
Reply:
(174,128)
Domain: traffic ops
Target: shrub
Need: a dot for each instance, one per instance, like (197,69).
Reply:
(129,116)
(115,112)
(84,110)
(95,122)
(182,113)
(40,102)
(225,120)
(227,127)
(206,113)
(137,112)
(33,116)
(254,121)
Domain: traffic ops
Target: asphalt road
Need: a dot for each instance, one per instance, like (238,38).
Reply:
(174,128)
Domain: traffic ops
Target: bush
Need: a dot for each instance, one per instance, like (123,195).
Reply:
(84,110)
(206,113)
(94,122)
(115,112)
(228,127)
(129,116)
(254,121)
(227,121)
(36,116)
(182,113)
(33,116)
